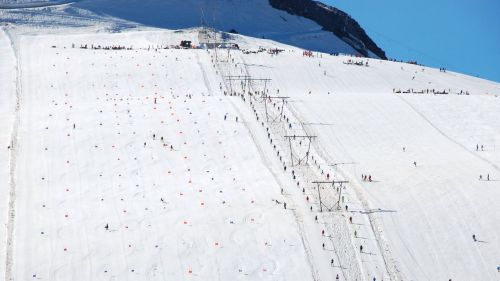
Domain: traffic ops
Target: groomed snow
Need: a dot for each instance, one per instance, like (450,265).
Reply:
(428,212)
(206,209)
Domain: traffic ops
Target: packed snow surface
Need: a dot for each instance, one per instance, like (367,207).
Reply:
(154,163)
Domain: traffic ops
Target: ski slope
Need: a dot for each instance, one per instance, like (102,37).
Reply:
(193,211)
(430,211)
(192,182)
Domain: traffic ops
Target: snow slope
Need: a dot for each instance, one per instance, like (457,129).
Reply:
(203,210)
(429,212)
(94,149)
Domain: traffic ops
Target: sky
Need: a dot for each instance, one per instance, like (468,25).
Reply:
(460,35)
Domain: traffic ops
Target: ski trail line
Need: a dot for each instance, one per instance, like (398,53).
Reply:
(446,136)
(9,258)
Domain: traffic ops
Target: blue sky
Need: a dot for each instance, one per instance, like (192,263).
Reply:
(461,35)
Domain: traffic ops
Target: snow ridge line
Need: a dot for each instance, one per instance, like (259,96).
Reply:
(9,258)
(383,245)
(40,4)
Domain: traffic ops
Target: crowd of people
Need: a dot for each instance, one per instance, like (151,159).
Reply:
(429,91)
(359,63)
(99,47)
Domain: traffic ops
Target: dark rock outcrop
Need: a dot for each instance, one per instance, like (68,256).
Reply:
(333,20)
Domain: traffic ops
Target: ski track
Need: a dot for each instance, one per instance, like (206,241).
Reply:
(9,258)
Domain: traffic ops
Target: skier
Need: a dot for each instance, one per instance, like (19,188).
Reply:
(415,163)
(346,208)
(284,205)
(477,147)
(316,218)
(361,248)
(106,227)
(474,237)
(236,118)
(488,177)
(480,177)
(154,136)
(350,219)
(323,246)
(327,176)
(323,232)
(337,278)
(225,117)
(355,233)
(482,147)
(370,178)
(331,262)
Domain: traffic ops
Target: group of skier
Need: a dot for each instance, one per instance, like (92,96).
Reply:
(366,178)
